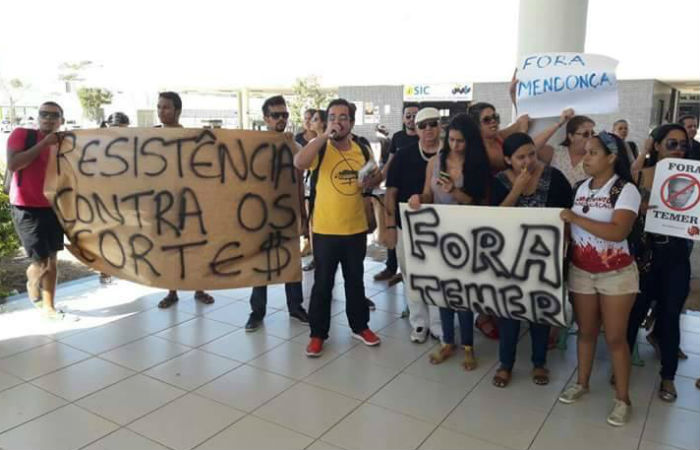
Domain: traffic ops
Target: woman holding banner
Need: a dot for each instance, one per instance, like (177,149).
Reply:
(603,275)
(526,183)
(485,116)
(667,278)
(459,174)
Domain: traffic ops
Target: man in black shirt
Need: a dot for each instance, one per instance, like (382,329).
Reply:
(400,139)
(407,177)
(690,123)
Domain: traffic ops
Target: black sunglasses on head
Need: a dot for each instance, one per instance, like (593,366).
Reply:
(277,115)
(431,124)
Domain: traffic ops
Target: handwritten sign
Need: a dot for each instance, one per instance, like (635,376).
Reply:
(506,262)
(551,82)
(179,208)
(675,197)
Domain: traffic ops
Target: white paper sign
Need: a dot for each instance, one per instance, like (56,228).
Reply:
(506,262)
(675,199)
(551,82)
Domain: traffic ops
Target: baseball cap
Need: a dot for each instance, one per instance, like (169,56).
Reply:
(427,114)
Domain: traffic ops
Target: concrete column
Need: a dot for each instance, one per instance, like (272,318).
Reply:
(551,26)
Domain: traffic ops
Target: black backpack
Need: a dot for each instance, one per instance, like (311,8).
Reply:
(364,146)
(29,142)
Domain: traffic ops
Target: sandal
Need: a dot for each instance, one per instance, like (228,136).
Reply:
(38,302)
(469,362)
(446,350)
(667,391)
(169,300)
(486,325)
(540,376)
(681,354)
(203,297)
(697,383)
(309,266)
(502,378)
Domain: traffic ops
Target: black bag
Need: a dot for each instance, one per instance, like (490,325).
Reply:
(638,240)
(29,142)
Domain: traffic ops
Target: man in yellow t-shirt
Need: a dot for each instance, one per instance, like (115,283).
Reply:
(340,225)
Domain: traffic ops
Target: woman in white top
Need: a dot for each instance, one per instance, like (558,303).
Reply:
(568,157)
(603,276)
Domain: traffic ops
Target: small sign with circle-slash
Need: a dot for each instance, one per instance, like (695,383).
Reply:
(674,203)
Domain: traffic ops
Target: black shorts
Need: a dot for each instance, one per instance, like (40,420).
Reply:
(39,230)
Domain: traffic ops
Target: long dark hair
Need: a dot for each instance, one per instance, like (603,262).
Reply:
(612,144)
(475,172)
(658,134)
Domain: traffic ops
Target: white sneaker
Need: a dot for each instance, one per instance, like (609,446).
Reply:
(620,413)
(419,335)
(572,393)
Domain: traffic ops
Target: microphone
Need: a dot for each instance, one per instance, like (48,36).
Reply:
(334,134)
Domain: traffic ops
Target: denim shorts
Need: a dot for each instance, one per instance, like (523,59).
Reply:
(615,282)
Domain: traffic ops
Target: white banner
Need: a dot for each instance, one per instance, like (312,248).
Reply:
(674,204)
(506,262)
(551,82)
(445,92)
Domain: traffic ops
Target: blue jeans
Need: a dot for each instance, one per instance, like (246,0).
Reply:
(258,299)
(466,326)
(509,330)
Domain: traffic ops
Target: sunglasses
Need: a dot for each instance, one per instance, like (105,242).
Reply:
(279,115)
(673,144)
(586,134)
(490,119)
(431,124)
(49,115)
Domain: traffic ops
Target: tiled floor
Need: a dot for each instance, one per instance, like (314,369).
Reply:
(131,376)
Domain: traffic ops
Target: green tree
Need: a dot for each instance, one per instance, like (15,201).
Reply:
(92,100)
(308,94)
(70,72)
(14,90)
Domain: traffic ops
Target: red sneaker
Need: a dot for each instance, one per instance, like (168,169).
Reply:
(368,337)
(315,347)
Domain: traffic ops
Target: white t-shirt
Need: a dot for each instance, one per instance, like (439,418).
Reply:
(590,252)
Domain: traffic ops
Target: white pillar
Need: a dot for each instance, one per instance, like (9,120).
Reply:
(551,26)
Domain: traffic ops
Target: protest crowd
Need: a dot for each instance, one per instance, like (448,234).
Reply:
(621,280)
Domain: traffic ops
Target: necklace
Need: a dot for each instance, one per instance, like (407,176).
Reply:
(423,154)
(592,195)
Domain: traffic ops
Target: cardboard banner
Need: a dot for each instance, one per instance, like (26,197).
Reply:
(179,208)
(674,204)
(506,262)
(551,82)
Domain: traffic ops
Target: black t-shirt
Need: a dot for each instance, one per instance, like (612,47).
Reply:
(694,150)
(407,174)
(559,194)
(399,141)
(300,139)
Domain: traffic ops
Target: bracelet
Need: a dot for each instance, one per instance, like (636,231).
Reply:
(391,227)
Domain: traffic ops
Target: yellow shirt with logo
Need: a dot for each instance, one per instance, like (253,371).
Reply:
(339,206)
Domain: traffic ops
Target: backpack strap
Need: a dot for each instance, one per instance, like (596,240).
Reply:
(616,190)
(313,180)
(30,141)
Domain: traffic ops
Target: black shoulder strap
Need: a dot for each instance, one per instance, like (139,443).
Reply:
(616,190)
(29,142)
(314,179)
